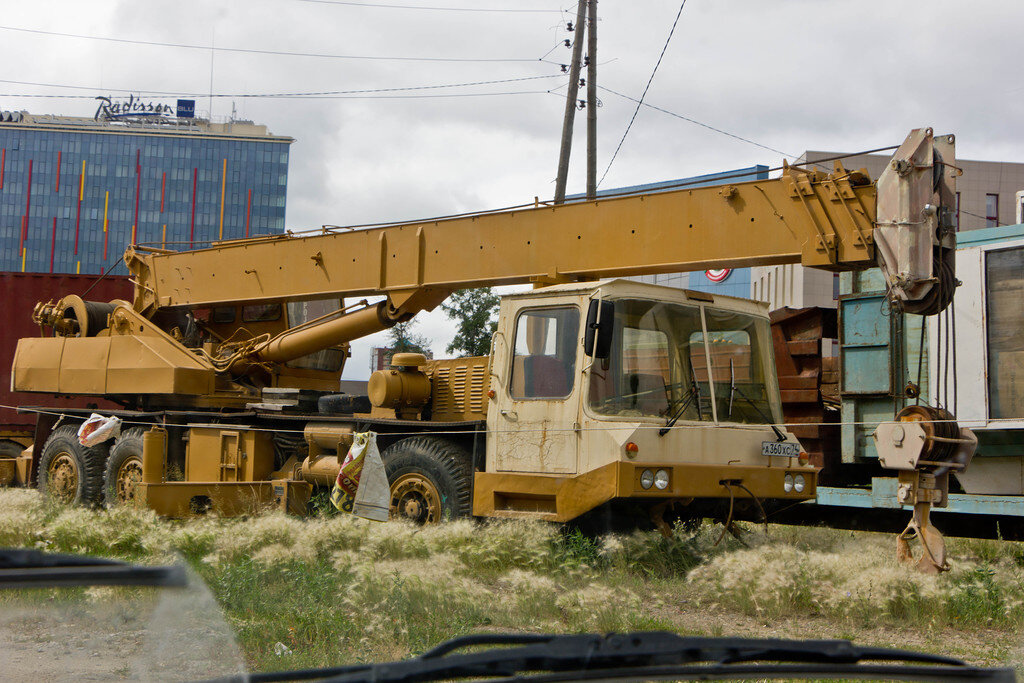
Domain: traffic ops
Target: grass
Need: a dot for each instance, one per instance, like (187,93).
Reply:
(334,589)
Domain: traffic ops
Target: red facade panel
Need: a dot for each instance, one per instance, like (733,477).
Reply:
(19,293)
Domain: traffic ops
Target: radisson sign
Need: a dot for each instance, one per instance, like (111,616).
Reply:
(109,109)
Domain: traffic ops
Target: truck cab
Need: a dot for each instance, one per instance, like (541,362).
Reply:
(624,390)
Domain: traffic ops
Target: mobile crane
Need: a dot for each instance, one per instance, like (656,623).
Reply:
(596,389)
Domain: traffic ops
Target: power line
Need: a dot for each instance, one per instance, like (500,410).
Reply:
(438,9)
(279,53)
(323,94)
(984,218)
(646,88)
(329,97)
(696,122)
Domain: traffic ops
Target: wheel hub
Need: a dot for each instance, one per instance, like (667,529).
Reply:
(129,475)
(415,497)
(412,509)
(63,477)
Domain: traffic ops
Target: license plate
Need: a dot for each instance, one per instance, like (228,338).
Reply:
(783,448)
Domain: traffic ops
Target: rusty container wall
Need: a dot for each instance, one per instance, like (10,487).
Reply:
(809,381)
(19,293)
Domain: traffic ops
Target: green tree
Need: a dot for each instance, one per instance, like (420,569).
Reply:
(475,312)
(405,340)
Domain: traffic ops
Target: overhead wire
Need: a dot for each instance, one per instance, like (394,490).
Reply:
(646,88)
(984,218)
(323,94)
(543,57)
(279,53)
(377,5)
(696,122)
(335,97)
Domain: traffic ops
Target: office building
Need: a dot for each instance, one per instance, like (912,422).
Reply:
(75,192)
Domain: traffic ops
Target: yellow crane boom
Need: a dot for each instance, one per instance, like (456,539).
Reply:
(821,220)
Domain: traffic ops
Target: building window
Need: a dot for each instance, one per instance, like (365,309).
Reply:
(991,210)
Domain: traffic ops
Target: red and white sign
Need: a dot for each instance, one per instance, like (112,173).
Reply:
(718,275)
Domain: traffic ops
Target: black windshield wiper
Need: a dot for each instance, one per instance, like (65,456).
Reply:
(685,403)
(649,655)
(735,390)
(693,395)
(35,569)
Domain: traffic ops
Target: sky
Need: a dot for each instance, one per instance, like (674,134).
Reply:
(784,75)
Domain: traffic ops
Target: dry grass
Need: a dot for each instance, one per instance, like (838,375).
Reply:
(337,589)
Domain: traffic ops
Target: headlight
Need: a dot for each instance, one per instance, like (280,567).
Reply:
(787,483)
(799,483)
(647,479)
(661,479)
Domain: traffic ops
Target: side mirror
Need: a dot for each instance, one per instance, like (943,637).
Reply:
(597,341)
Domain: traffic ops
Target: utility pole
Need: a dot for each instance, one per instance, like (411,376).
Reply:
(570,103)
(592,100)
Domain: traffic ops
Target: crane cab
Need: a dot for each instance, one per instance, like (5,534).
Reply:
(624,390)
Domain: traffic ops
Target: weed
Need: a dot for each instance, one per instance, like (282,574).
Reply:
(335,589)
(574,548)
(320,504)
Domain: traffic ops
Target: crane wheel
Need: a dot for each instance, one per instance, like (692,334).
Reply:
(431,480)
(69,472)
(124,468)
(10,449)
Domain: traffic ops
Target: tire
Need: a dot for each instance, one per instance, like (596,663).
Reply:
(10,449)
(76,471)
(431,480)
(124,468)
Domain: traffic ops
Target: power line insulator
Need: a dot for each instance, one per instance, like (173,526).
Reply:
(568,27)
(568,43)
(586,60)
(583,82)
(581,104)
(565,68)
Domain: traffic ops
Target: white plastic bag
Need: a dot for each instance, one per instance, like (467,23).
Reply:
(373,497)
(98,429)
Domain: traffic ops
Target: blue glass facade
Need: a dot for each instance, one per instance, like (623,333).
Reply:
(185,187)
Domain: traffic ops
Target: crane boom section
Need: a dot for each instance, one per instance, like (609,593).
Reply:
(822,220)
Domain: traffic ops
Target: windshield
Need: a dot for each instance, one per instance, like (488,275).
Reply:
(738,348)
(116,633)
(659,362)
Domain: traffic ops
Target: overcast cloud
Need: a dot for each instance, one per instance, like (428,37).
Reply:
(790,74)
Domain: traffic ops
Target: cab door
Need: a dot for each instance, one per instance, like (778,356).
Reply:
(533,417)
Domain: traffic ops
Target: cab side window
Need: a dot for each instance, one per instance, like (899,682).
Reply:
(544,353)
